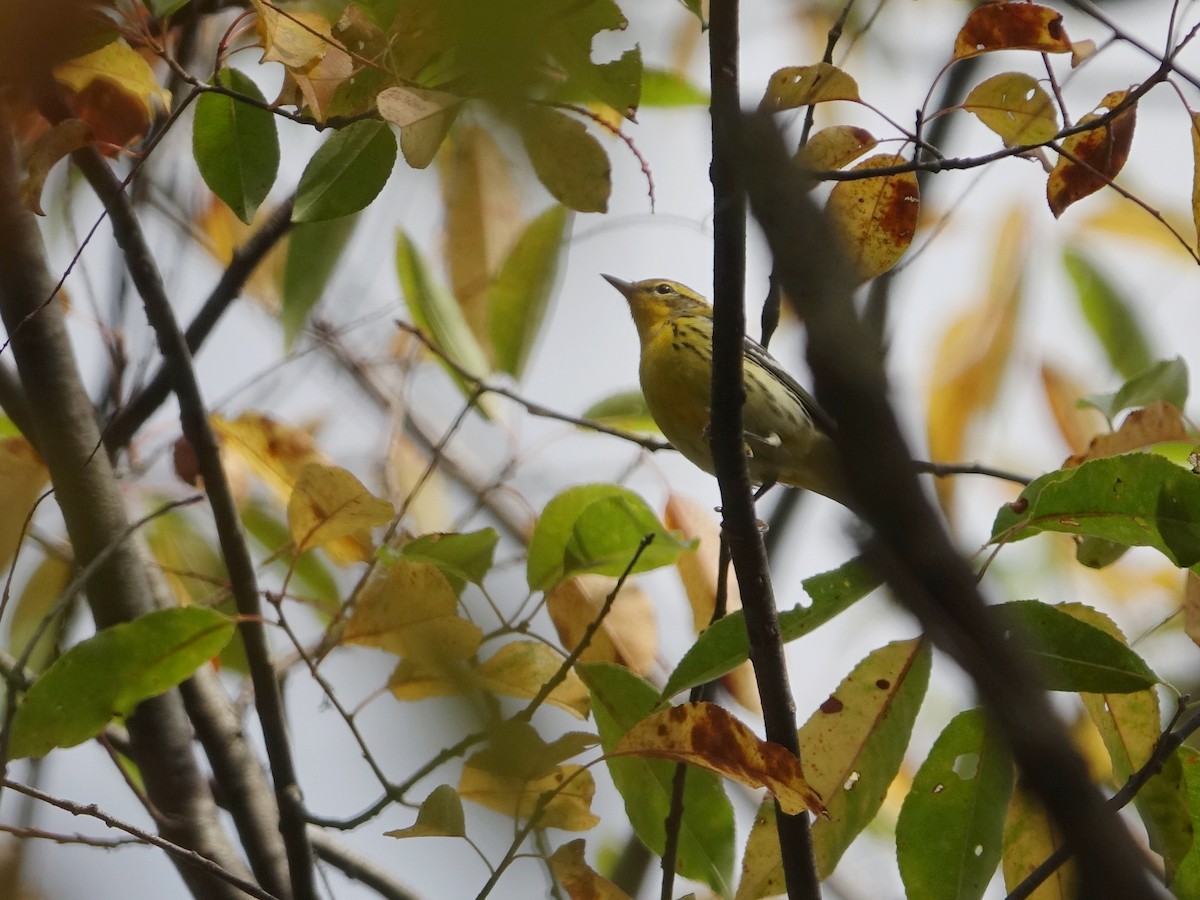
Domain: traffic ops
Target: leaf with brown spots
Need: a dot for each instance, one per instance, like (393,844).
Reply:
(704,735)
(1160,421)
(876,217)
(1093,158)
(834,147)
(331,508)
(577,878)
(1011,26)
(797,86)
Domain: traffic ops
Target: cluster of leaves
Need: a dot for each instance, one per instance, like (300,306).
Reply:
(449,75)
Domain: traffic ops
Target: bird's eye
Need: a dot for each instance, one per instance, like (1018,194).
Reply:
(663,288)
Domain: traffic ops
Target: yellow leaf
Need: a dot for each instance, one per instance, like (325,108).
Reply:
(408,471)
(698,571)
(577,878)
(224,233)
(1155,424)
(295,39)
(704,735)
(114,90)
(1011,26)
(331,508)
(404,106)
(628,636)
(421,140)
(973,352)
(1114,216)
(482,219)
(1101,153)
(412,611)
(834,147)
(796,86)
(47,149)
(22,477)
(413,680)
(876,218)
(519,669)
(1029,838)
(762,866)
(569,809)
(38,600)
(1016,107)
(441,815)
(276,452)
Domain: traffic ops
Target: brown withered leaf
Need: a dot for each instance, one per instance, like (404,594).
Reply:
(705,735)
(577,878)
(1101,153)
(1158,422)
(876,218)
(1011,26)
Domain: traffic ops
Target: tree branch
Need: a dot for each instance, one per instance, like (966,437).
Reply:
(194,418)
(740,523)
(912,549)
(64,427)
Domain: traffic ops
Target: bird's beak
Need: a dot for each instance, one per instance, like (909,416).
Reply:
(625,287)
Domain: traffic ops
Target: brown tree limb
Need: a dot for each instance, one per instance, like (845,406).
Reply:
(143,271)
(739,520)
(65,429)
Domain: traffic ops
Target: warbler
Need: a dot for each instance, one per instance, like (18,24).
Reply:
(787,435)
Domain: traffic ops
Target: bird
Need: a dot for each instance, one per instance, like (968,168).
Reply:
(788,437)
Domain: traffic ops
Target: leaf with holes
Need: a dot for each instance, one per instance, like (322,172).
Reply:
(1016,107)
(876,217)
(1011,26)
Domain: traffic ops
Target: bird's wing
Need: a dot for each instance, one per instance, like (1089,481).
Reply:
(755,352)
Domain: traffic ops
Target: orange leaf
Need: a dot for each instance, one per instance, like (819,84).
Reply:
(1076,425)
(1011,26)
(876,217)
(577,878)
(1156,423)
(114,90)
(698,572)
(704,735)
(1101,153)
(627,637)
(22,477)
(804,85)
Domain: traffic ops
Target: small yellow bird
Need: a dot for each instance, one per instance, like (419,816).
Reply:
(787,434)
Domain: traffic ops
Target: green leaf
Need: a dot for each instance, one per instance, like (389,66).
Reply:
(1138,499)
(1070,654)
(854,744)
(723,646)
(519,295)
(440,815)
(1186,883)
(313,251)
(627,410)
(1166,379)
(570,162)
(236,145)
(570,37)
(461,558)
(663,88)
(948,835)
(434,309)
(1110,316)
(111,673)
(620,699)
(597,528)
(346,173)
(160,8)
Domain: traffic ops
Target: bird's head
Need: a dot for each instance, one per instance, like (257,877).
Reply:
(656,300)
